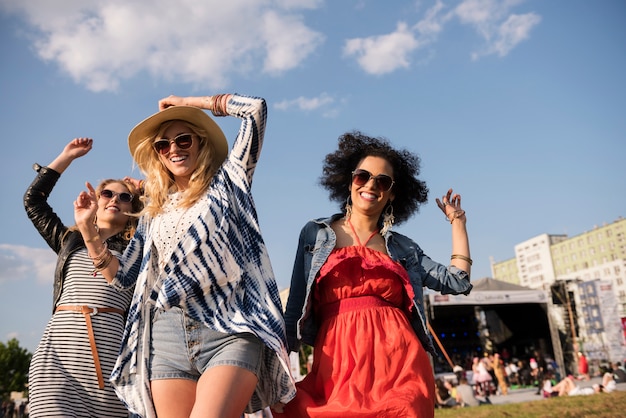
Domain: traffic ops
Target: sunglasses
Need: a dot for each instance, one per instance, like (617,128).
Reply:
(123,197)
(361,177)
(183,141)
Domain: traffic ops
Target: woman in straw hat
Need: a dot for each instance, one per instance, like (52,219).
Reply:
(205,334)
(69,371)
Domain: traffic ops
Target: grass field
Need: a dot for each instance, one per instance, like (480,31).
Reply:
(602,405)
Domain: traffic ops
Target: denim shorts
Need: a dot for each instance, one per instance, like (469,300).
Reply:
(183,348)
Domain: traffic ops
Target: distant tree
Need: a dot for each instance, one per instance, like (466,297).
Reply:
(14,363)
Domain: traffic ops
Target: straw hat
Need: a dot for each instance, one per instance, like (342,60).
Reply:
(189,114)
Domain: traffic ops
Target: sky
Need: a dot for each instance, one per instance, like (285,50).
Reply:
(519,106)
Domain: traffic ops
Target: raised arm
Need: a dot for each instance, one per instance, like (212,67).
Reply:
(252,111)
(41,214)
(450,205)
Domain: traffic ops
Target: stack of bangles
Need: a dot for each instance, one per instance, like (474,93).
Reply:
(102,260)
(217,104)
(455,215)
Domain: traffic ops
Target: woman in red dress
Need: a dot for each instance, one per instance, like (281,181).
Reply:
(356,292)
(583,366)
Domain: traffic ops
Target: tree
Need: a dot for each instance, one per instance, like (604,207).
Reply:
(14,363)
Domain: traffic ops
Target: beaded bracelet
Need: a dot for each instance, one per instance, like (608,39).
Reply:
(461,257)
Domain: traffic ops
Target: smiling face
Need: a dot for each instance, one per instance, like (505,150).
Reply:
(180,162)
(369,199)
(112,212)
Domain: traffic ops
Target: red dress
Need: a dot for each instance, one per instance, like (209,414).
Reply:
(367,361)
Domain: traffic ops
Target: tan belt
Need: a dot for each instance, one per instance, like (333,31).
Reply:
(87,312)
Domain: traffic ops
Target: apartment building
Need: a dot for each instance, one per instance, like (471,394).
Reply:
(592,255)
(592,266)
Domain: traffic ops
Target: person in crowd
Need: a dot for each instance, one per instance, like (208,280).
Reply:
(458,371)
(481,377)
(608,382)
(70,368)
(524,373)
(500,373)
(568,387)
(356,281)
(445,394)
(619,374)
(465,395)
(488,360)
(512,373)
(539,370)
(205,336)
(547,390)
(583,366)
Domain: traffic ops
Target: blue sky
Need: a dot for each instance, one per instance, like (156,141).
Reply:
(520,106)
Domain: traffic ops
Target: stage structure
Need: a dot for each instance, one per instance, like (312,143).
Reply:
(493,316)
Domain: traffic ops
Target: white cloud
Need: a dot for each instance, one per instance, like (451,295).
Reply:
(385,53)
(494,22)
(287,41)
(206,43)
(305,103)
(513,31)
(491,19)
(100,44)
(20,262)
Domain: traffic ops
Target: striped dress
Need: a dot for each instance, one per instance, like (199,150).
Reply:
(62,376)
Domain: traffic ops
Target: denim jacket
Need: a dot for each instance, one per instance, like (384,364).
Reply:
(317,240)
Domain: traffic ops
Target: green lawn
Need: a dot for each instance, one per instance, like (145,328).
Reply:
(602,405)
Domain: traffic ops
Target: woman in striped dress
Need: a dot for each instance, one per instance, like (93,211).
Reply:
(205,335)
(69,372)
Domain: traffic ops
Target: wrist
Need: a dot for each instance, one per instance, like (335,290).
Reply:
(461,257)
(207,102)
(457,214)
(94,238)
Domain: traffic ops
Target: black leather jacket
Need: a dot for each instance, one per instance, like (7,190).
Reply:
(52,229)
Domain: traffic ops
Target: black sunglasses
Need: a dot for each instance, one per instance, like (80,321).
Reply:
(183,141)
(361,177)
(123,197)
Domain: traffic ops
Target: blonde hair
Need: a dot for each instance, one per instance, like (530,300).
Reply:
(136,207)
(160,181)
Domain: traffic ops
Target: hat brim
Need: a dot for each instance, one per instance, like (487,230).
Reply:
(193,115)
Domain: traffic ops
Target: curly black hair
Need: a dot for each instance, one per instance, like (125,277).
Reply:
(410,192)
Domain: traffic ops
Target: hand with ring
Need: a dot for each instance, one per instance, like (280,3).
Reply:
(450,204)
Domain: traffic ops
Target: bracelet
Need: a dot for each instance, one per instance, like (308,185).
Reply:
(93,239)
(218,107)
(457,214)
(461,257)
(209,100)
(99,257)
(102,264)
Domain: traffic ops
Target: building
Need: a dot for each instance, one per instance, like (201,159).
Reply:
(590,270)
(596,254)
